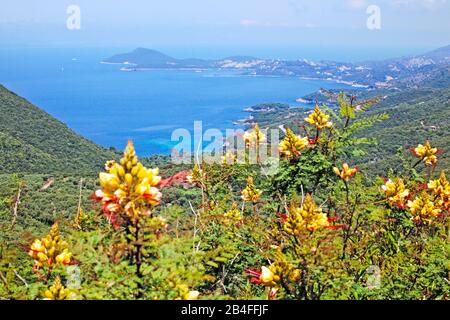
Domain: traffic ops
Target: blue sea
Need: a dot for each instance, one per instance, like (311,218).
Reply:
(109,106)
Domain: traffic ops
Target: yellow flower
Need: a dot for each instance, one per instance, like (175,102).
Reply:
(58,292)
(319,119)
(294,275)
(292,144)
(128,188)
(426,153)
(64,257)
(423,208)
(395,192)
(271,276)
(191,295)
(109,164)
(109,181)
(268,276)
(255,136)
(37,246)
(50,250)
(183,293)
(308,217)
(441,191)
(234,214)
(250,193)
(346,172)
(440,187)
(197,175)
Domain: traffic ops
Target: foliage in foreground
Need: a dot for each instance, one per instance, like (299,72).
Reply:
(318,228)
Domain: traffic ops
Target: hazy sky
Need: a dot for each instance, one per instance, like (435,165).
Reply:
(151,23)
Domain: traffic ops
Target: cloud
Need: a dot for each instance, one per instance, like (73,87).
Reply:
(249,22)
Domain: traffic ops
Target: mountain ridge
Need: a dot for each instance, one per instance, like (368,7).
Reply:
(394,73)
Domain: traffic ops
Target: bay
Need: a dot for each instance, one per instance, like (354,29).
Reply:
(109,106)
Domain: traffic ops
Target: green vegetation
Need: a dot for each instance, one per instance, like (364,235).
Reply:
(317,228)
(414,115)
(32,141)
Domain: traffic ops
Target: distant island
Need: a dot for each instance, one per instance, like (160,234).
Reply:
(396,73)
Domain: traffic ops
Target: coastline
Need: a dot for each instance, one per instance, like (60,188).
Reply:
(350,83)
(353,84)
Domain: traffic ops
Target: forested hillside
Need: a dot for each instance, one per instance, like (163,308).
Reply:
(34,142)
(415,115)
(412,115)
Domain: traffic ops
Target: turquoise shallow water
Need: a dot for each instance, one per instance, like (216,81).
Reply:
(108,106)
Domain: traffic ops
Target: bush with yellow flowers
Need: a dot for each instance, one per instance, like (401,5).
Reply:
(250,192)
(129,193)
(292,144)
(352,230)
(440,191)
(317,227)
(128,189)
(50,250)
(395,192)
(234,215)
(276,276)
(308,217)
(253,140)
(426,153)
(58,292)
(346,172)
(255,136)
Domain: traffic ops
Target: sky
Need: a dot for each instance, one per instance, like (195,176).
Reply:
(222,23)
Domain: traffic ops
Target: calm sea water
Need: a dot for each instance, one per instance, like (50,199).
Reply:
(108,106)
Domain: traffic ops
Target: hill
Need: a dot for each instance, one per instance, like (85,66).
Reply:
(415,116)
(33,141)
(396,73)
(142,56)
(147,58)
